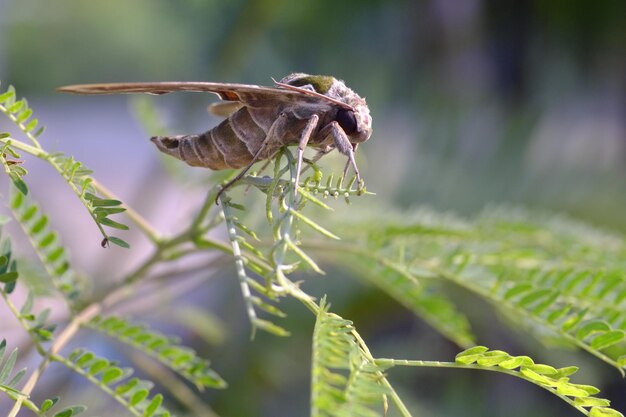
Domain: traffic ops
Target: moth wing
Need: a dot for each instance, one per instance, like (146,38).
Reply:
(248,94)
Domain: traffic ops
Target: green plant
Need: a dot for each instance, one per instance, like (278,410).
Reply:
(550,276)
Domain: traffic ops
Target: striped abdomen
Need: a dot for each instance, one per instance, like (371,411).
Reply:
(231,144)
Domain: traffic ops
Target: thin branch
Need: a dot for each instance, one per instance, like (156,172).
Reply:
(64,337)
(386,363)
(23,323)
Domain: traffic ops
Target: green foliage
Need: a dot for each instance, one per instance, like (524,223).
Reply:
(20,114)
(344,382)
(8,379)
(35,324)
(182,360)
(284,214)
(548,276)
(8,268)
(556,381)
(47,245)
(544,273)
(77,176)
(419,295)
(70,411)
(80,181)
(13,167)
(133,393)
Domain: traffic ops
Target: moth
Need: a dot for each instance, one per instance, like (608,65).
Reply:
(305,110)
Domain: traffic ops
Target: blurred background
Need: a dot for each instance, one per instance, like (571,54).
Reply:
(473,101)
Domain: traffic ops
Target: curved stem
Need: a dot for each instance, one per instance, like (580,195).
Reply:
(387,363)
(64,337)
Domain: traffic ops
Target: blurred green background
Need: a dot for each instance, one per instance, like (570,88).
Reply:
(474,102)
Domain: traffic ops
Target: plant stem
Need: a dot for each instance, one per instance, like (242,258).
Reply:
(394,395)
(23,322)
(239,261)
(38,152)
(388,363)
(64,337)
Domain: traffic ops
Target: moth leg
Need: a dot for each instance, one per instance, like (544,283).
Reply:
(321,153)
(347,166)
(275,131)
(318,155)
(304,139)
(343,145)
(265,165)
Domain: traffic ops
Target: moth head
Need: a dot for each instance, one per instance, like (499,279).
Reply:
(356,122)
(354,119)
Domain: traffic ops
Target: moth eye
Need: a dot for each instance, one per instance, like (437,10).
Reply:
(346,120)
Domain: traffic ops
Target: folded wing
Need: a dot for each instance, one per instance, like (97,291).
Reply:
(248,94)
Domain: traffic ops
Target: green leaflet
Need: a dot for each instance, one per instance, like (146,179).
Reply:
(604,412)
(509,262)
(47,244)
(117,241)
(344,382)
(133,393)
(70,411)
(20,113)
(48,403)
(554,380)
(13,167)
(284,212)
(10,380)
(410,290)
(549,275)
(180,359)
(249,284)
(74,172)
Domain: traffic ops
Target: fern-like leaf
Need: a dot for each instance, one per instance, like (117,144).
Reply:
(13,167)
(415,291)
(313,186)
(556,381)
(20,113)
(35,323)
(70,411)
(134,393)
(236,235)
(343,381)
(182,360)
(284,213)
(47,245)
(9,379)
(100,208)
(544,272)
(8,268)
(74,172)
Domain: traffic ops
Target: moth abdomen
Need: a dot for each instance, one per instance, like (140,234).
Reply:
(231,144)
(195,150)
